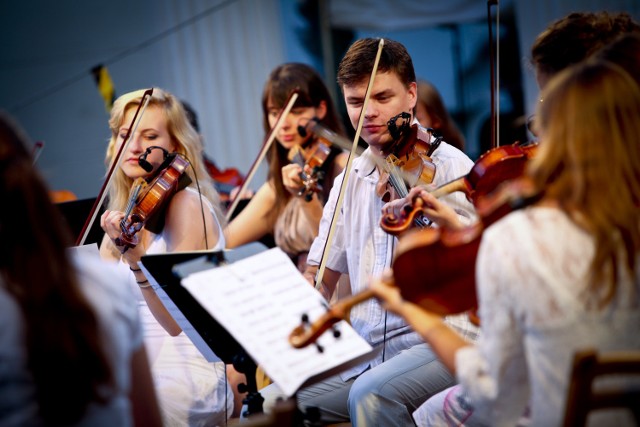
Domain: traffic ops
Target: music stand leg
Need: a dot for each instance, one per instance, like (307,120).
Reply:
(245,365)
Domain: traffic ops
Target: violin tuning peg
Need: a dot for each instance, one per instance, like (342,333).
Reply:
(319,347)
(305,318)
(336,332)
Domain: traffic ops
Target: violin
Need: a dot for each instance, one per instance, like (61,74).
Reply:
(407,158)
(149,196)
(224,180)
(449,286)
(492,168)
(313,156)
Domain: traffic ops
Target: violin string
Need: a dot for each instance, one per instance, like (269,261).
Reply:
(398,183)
(133,196)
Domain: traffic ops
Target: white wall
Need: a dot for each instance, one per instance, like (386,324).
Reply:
(217,62)
(532,17)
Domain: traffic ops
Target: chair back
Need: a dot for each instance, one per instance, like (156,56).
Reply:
(589,365)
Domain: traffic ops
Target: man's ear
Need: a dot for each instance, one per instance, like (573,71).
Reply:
(413,95)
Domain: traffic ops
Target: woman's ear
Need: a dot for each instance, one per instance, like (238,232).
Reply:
(321,110)
(175,146)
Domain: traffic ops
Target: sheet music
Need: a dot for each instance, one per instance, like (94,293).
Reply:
(259,300)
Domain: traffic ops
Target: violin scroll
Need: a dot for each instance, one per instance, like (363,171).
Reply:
(307,333)
(409,214)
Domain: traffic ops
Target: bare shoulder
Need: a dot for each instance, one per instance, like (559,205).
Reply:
(184,202)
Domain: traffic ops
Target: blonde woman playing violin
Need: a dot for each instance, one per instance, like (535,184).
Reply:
(191,390)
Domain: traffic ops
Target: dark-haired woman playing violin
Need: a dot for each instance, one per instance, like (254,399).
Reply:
(191,390)
(282,206)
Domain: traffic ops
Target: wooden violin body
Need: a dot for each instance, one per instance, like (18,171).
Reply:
(446,286)
(150,199)
(493,168)
(224,180)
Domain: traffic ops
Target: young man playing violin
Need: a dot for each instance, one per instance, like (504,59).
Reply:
(405,372)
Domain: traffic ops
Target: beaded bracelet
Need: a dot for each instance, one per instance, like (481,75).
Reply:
(134,269)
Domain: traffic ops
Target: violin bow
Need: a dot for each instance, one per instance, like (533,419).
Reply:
(37,150)
(347,169)
(315,127)
(263,151)
(494,61)
(115,163)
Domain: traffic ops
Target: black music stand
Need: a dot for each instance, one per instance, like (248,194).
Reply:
(76,212)
(168,270)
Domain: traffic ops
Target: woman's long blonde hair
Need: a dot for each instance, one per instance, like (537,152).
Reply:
(589,162)
(183,135)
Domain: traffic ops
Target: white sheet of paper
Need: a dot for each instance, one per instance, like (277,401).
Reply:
(260,300)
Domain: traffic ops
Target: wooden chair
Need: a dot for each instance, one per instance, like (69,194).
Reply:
(283,414)
(589,365)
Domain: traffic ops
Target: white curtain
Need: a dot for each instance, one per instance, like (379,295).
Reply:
(404,14)
(532,16)
(219,65)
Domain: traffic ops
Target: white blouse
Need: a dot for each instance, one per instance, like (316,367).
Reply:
(532,273)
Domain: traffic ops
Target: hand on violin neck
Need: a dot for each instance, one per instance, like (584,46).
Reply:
(111,223)
(400,207)
(399,215)
(291,178)
(433,208)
